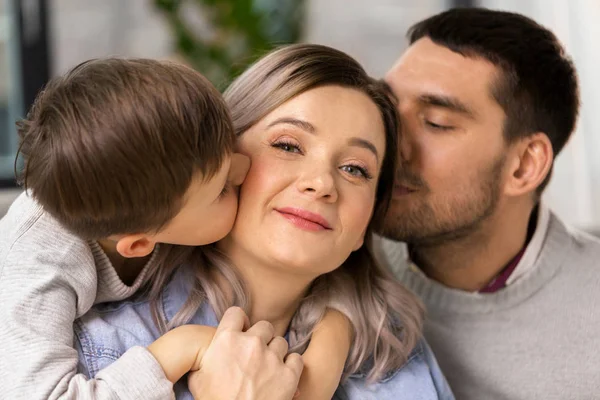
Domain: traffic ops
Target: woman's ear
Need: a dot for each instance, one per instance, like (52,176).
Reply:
(529,164)
(137,245)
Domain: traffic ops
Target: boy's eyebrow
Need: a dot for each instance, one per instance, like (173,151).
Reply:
(310,128)
(448,102)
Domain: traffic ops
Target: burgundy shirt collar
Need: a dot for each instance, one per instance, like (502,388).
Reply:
(499,282)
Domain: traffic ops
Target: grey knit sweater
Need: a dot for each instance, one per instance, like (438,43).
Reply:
(538,338)
(48,278)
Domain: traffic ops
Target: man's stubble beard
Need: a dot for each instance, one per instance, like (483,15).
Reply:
(430,221)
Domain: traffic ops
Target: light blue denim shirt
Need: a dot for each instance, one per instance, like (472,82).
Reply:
(108,330)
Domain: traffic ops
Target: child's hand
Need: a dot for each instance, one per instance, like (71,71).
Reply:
(181,349)
(325,358)
(203,336)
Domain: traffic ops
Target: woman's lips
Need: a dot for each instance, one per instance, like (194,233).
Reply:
(304,219)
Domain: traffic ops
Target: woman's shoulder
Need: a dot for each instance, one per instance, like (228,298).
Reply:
(419,378)
(108,330)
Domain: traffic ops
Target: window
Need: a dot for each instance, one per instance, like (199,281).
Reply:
(24,69)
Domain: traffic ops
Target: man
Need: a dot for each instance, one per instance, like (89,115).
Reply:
(487,99)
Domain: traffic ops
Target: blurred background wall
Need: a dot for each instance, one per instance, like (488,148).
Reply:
(42,38)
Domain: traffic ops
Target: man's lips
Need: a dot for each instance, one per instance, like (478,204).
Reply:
(304,219)
(401,190)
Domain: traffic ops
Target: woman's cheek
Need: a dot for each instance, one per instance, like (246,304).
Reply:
(265,176)
(360,211)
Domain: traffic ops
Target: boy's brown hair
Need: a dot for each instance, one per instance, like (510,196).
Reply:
(112,146)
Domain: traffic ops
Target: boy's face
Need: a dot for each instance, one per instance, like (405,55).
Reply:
(209,207)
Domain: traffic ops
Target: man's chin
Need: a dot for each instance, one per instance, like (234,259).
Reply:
(397,233)
(402,207)
(406,223)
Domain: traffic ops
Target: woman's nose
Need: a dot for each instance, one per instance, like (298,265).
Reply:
(318,183)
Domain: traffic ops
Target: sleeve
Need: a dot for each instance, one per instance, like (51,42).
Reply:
(439,380)
(40,298)
(135,375)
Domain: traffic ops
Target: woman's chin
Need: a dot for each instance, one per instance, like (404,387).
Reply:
(300,261)
(314,261)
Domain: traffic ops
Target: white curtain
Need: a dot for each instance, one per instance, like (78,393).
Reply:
(574,192)
(372,31)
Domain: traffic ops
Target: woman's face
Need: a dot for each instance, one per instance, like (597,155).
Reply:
(309,194)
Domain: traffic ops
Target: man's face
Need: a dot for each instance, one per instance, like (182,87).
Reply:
(452,146)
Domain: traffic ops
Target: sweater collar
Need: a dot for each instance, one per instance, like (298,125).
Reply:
(549,247)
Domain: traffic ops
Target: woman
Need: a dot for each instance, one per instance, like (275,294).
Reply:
(322,137)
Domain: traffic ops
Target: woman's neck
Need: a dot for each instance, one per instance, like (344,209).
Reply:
(275,293)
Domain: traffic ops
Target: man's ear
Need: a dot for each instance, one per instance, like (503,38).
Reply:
(529,164)
(136,245)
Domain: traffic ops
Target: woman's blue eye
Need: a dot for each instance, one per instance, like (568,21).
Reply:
(355,170)
(287,147)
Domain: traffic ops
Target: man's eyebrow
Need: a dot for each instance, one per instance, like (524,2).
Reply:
(448,102)
(304,125)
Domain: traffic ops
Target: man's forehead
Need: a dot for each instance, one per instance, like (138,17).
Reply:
(427,67)
(425,51)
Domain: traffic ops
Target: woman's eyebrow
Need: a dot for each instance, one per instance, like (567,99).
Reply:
(365,144)
(304,125)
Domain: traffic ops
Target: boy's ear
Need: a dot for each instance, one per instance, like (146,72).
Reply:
(138,245)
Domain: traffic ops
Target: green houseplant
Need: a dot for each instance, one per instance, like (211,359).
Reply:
(221,38)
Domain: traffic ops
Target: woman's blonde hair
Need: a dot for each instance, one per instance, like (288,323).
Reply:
(386,317)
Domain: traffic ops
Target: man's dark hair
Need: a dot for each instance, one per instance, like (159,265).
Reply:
(537,88)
